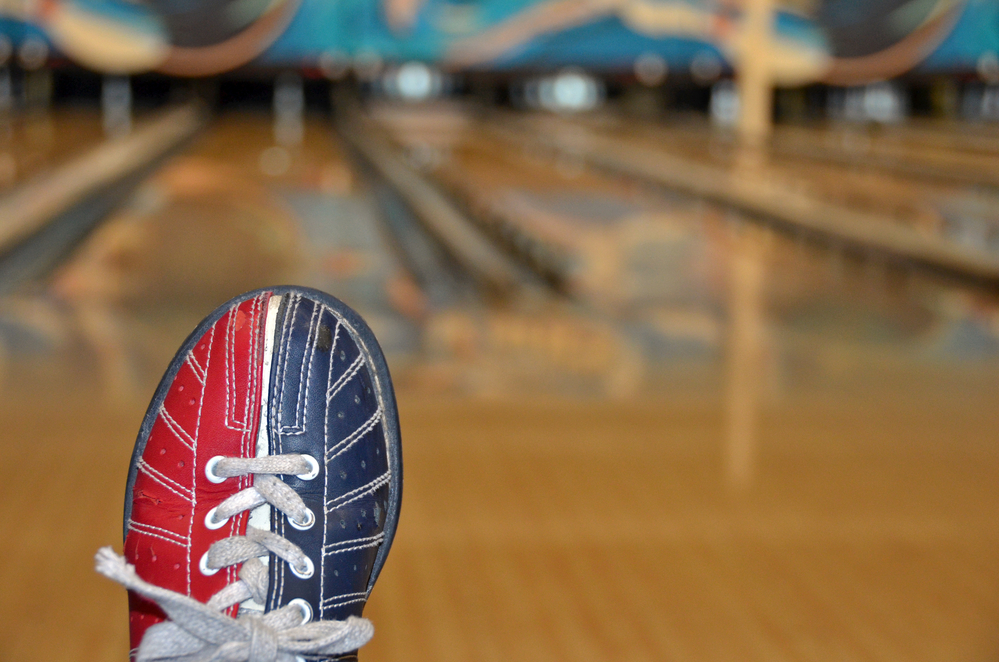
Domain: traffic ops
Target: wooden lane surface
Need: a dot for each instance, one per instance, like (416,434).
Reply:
(476,255)
(561,530)
(845,165)
(753,190)
(36,202)
(956,152)
(587,531)
(34,142)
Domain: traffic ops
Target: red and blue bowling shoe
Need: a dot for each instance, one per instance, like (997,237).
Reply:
(264,488)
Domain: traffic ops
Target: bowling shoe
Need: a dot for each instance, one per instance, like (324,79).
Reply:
(264,488)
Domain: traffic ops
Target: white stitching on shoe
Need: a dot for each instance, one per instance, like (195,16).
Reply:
(305,378)
(280,572)
(326,474)
(358,493)
(377,386)
(289,323)
(157,532)
(355,436)
(310,350)
(167,482)
(156,535)
(297,427)
(249,407)
(199,372)
(345,599)
(231,421)
(347,375)
(182,435)
(194,464)
(359,543)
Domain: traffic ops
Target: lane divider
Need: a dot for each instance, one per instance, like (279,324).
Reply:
(46,215)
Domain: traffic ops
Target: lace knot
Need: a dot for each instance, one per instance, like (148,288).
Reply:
(197,632)
(200,632)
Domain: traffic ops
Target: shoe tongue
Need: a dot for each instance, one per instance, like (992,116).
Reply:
(260,517)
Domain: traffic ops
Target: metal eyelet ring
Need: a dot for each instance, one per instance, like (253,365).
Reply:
(305,607)
(210,470)
(313,468)
(203,566)
(309,569)
(310,519)
(210,522)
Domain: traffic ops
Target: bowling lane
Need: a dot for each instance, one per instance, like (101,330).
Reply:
(956,151)
(33,142)
(82,350)
(720,443)
(924,134)
(668,267)
(799,463)
(855,169)
(232,212)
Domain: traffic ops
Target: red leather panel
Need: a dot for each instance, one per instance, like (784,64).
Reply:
(212,408)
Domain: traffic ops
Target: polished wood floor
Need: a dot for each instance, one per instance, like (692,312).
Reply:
(835,498)
(588,531)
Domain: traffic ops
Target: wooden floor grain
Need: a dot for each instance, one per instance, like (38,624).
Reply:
(600,532)
(861,522)
(587,531)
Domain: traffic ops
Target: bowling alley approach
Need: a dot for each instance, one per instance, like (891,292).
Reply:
(639,330)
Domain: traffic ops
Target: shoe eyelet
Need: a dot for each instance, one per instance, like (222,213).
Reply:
(305,607)
(203,566)
(310,520)
(310,569)
(313,468)
(210,517)
(210,470)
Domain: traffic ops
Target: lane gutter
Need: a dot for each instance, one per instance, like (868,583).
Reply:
(435,210)
(44,218)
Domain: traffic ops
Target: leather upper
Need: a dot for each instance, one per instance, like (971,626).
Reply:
(324,403)
(210,408)
(329,396)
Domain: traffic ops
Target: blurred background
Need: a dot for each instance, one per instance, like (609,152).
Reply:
(692,306)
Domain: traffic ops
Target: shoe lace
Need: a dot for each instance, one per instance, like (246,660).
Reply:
(202,632)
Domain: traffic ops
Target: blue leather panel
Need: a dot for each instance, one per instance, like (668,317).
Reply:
(325,401)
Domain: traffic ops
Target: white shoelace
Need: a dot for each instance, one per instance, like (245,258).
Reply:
(200,632)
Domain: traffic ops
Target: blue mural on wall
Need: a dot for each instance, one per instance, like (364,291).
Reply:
(836,41)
